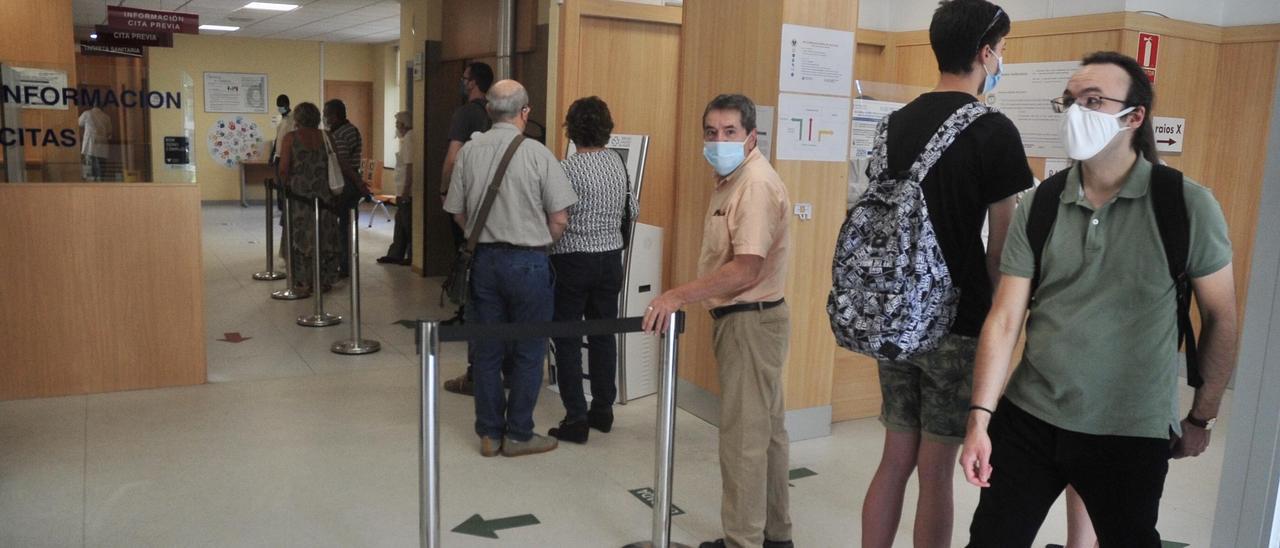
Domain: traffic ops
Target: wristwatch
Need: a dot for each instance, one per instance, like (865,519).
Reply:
(1202,424)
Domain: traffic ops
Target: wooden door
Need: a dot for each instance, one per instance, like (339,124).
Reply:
(358,96)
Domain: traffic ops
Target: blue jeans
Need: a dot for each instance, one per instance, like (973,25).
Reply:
(587,286)
(508,286)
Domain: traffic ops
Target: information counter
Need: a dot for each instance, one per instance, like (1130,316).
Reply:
(101,288)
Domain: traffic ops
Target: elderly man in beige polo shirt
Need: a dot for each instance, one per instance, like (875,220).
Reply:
(742,273)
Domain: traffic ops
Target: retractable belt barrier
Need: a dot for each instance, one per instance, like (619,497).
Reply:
(270,274)
(430,334)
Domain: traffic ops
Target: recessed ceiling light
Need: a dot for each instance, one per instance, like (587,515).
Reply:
(219,27)
(93,36)
(269,6)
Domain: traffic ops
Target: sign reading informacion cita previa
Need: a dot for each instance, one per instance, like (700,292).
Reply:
(122,18)
(31,94)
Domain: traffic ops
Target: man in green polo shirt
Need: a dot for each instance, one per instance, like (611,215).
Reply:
(1094,402)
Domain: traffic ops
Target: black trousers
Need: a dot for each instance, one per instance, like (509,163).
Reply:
(402,240)
(1119,478)
(587,287)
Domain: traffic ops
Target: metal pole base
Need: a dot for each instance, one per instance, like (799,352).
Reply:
(287,294)
(356,348)
(649,544)
(319,320)
(268,276)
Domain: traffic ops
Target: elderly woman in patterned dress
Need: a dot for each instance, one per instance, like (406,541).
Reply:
(304,166)
(588,266)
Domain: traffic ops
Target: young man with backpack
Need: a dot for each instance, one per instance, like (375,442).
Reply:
(952,162)
(1105,257)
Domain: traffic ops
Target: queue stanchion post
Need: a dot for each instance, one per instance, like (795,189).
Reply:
(287,294)
(664,451)
(429,436)
(318,318)
(356,345)
(270,274)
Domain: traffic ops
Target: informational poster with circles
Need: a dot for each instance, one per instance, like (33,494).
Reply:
(233,140)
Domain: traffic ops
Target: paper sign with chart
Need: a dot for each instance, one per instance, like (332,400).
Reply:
(812,128)
(1023,96)
(866,117)
(764,130)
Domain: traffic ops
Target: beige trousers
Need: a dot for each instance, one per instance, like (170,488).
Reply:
(751,348)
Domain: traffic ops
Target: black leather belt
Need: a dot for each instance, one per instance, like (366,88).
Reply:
(510,247)
(717,313)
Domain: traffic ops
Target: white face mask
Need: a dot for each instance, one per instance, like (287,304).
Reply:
(1086,132)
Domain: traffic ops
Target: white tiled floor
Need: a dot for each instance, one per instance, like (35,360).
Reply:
(291,445)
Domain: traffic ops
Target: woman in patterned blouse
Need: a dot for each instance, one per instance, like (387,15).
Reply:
(588,267)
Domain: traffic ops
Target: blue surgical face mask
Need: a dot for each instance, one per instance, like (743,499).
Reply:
(725,156)
(992,79)
(283,110)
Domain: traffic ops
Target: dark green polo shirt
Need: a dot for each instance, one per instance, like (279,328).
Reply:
(1101,353)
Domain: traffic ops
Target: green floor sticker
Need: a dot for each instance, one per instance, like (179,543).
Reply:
(645,494)
(480,527)
(407,324)
(801,473)
(1172,544)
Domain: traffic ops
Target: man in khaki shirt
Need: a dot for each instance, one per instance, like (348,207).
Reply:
(742,273)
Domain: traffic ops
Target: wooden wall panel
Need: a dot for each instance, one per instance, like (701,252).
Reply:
(470,28)
(1236,149)
(631,65)
(120,305)
(706,70)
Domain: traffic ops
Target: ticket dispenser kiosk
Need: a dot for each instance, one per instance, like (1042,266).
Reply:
(638,354)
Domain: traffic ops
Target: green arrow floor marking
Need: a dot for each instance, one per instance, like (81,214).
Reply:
(480,527)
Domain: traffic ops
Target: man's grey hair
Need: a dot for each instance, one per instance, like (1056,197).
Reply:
(506,106)
(734,101)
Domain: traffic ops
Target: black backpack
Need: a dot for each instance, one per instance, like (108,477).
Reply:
(1170,209)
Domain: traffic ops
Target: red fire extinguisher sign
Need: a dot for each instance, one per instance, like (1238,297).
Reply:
(1148,49)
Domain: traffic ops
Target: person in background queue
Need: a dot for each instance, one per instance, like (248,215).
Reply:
(588,266)
(511,278)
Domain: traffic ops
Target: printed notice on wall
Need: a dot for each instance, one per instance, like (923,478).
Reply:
(764,131)
(816,60)
(1023,96)
(44,82)
(813,128)
(235,92)
(867,114)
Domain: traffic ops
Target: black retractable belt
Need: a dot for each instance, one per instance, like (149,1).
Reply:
(546,330)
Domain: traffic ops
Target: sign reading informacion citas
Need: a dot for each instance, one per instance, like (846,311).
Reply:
(1169,133)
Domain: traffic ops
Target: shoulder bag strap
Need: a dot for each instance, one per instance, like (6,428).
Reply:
(1044,211)
(946,134)
(1174,225)
(492,194)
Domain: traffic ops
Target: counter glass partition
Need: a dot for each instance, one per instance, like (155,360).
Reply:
(104,119)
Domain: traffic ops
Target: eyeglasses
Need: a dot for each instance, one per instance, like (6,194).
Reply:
(1088,102)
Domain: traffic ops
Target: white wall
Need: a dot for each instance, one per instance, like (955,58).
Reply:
(900,15)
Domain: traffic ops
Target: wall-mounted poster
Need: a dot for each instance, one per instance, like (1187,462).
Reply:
(233,140)
(46,86)
(235,92)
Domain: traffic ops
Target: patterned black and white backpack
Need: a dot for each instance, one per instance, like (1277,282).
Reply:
(892,296)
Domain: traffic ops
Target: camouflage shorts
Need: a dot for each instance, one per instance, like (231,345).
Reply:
(930,393)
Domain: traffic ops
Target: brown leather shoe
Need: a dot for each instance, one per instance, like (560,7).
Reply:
(536,444)
(490,447)
(461,385)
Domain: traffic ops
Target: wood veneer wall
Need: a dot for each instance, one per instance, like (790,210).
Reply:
(94,297)
(745,59)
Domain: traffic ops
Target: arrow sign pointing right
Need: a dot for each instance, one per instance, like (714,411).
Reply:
(1169,142)
(480,527)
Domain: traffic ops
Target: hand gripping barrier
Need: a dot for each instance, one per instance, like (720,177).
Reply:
(430,334)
